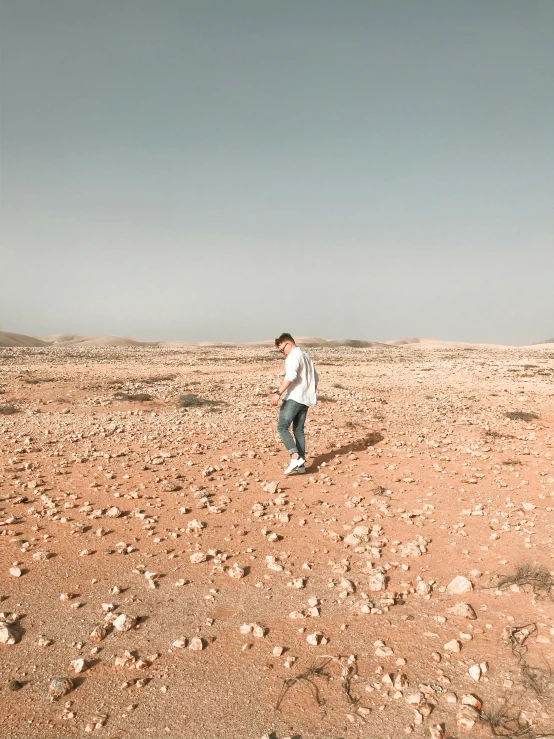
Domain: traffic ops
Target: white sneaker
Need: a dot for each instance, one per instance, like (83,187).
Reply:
(294,464)
(300,470)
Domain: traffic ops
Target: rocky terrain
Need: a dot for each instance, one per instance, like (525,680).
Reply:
(160,577)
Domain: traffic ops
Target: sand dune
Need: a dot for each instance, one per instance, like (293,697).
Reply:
(108,341)
(21,340)
(418,343)
(9,339)
(306,341)
(62,338)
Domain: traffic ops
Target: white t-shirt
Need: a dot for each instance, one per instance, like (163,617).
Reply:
(301,373)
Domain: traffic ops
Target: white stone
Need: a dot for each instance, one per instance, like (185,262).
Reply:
(377,582)
(7,634)
(453,646)
(78,665)
(475,673)
(352,540)
(124,622)
(347,585)
(459,586)
(462,610)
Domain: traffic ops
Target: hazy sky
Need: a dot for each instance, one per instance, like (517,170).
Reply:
(232,169)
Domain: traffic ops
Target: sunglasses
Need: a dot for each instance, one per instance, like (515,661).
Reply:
(282,350)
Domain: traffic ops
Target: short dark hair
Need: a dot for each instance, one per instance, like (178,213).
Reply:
(282,338)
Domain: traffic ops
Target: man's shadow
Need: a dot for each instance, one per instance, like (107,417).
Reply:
(355,446)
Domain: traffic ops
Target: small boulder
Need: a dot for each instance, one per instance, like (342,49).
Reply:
(459,586)
(8,635)
(59,686)
(462,610)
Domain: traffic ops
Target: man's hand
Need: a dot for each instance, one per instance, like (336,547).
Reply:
(275,399)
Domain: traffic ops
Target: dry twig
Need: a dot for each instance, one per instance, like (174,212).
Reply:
(348,671)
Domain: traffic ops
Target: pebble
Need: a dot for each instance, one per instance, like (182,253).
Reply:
(463,610)
(475,672)
(124,622)
(8,635)
(314,639)
(437,731)
(473,701)
(459,586)
(99,633)
(453,646)
(78,665)
(59,686)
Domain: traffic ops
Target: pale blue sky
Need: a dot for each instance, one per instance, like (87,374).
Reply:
(231,169)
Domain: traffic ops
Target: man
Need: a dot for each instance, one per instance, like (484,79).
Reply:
(299,388)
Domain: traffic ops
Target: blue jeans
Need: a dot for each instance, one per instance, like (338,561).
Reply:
(295,413)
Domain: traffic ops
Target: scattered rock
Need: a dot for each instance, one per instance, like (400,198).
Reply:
(459,586)
(453,646)
(59,686)
(8,635)
(124,622)
(462,610)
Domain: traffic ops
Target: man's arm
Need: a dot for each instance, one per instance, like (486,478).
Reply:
(276,396)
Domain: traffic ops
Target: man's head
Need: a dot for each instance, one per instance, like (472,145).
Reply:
(285,344)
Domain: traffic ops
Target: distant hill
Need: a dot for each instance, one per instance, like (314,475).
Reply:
(418,343)
(9,339)
(66,340)
(61,338)
(80,340)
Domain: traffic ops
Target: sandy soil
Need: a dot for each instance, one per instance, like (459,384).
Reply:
(412,444)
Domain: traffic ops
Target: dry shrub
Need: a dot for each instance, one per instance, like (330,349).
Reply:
(38,380)
(521,415)
(141,397)
(159,378)
(193,401)
(379,490)
(538,578)
(503,723)
(7,410)
(498,435)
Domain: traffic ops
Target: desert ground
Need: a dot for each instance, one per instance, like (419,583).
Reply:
(161,577)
